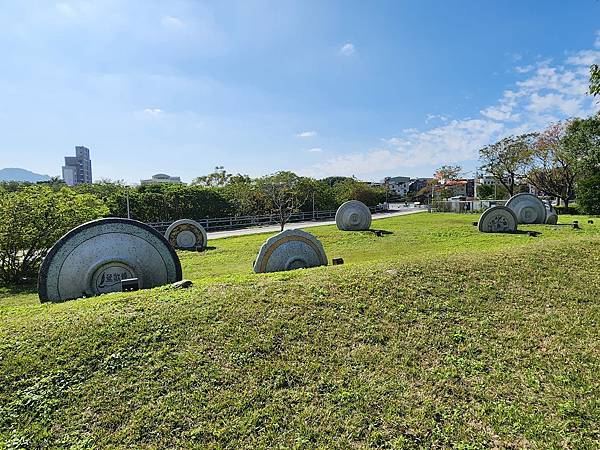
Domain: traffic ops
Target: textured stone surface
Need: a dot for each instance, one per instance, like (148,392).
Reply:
(93,258)
(528,208)
(183,284)
(353,216)
(186,234)
(289,250)
(552,218)
(498,219)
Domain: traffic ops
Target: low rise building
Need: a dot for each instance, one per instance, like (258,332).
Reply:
(161,178)
(397,185)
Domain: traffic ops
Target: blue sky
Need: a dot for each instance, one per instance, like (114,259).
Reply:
(318,87)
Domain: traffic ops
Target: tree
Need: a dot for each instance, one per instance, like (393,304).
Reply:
(594,80)
(352,189)
(286,193)
(507,160)
(553,164)
(445,173)
(582,140)
(491,192)
(32,220)
(219,178)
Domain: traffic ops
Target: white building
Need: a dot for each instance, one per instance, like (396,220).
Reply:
(161,178)
(397,185)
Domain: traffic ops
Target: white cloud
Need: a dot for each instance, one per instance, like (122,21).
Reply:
(548,92)
(172,22)
(347,49)
(585,58)
(306,134)
(315,150)
(153,112)
(524,69)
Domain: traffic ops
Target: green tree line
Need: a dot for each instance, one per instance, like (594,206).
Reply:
(34,216)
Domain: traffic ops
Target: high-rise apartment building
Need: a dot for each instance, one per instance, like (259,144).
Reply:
(78,168)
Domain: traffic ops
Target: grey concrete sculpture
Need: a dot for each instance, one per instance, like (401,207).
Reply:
(498,219)
(551,215)
(186,234)
(288,250)
(551,218)
(528,208)
(93,258)
(353,216)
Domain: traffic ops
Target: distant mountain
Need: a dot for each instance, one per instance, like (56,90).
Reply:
(16,174)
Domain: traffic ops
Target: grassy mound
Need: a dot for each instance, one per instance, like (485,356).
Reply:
(434,335)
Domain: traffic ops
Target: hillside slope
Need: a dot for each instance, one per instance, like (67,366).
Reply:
(488,348)
(17,174)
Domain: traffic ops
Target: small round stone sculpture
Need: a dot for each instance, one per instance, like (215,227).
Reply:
(186,234)
(528,208)
(353,216)
(498,219)
(93,258)
(289,250)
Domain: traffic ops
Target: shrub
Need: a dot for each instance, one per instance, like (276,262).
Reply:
(588,194)
(573,209)
(32,220)
(355,190)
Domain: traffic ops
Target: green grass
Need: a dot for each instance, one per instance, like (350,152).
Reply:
(433,336)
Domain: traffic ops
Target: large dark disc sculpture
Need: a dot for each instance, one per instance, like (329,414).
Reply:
(186,234)
(528,208)
(353,216)
(93,258)
(289,250)
(498,219)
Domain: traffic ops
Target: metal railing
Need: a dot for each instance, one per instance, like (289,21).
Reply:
(464,206)
(233,222)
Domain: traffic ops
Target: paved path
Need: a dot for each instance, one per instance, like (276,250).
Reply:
(295,225)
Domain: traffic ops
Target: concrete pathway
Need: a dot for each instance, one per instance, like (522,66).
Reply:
(309,224)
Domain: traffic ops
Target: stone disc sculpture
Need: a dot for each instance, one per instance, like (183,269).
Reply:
(93,258)
(498,219)
(551,218)
(551,215)
(528,208)
(289,250)
(353,216)
(186,234)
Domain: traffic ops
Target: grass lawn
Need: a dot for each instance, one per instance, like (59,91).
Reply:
(434,335)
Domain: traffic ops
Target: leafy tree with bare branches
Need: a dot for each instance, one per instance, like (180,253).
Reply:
(594,80)
(445,173)
(553,164)
(286,193)
(508,160)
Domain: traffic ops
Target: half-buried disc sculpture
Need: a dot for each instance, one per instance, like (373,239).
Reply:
(498,219)
(186,234)
(289,250)
(528,208)
(93,258)
(551,216)
(353,216)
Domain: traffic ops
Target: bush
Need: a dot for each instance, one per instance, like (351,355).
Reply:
(560,210)
(355,190)
(32,220)
(588,195)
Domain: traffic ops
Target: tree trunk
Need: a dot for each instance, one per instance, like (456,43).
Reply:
(566,202)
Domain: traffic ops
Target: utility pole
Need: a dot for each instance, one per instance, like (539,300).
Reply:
(128,210)
(313,203)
